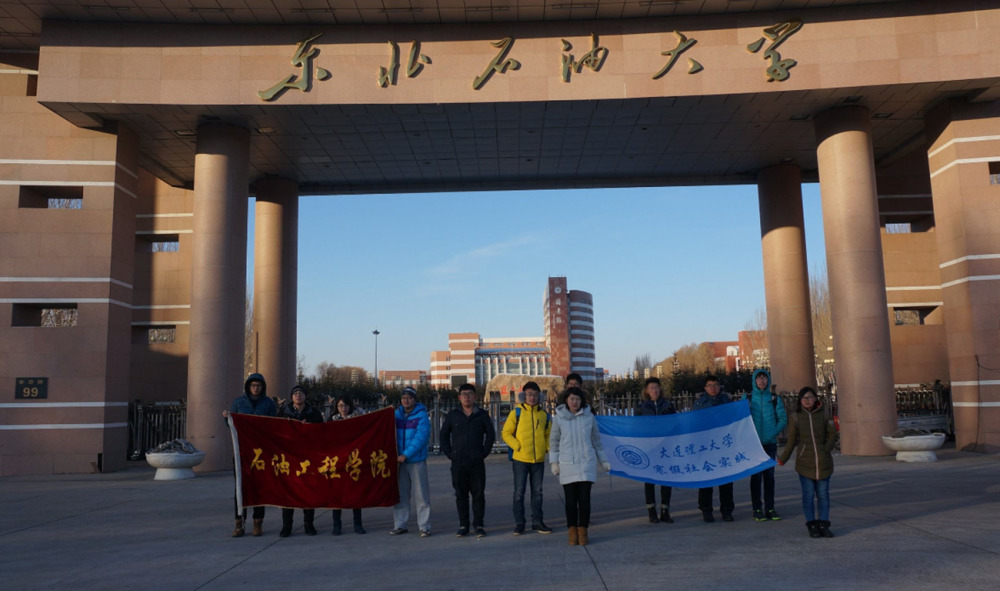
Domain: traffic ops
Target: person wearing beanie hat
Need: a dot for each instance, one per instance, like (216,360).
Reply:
(299,410)
(253,402)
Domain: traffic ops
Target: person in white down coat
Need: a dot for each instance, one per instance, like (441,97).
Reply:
(574,449)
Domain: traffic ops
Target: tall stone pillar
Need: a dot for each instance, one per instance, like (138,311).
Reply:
(218,287)
(275,278)
(862,351)
(965,186)
(786,278)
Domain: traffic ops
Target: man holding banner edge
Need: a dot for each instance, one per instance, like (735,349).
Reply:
(715,446)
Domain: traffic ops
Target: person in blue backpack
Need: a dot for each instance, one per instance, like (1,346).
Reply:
(769,418)
(413,430)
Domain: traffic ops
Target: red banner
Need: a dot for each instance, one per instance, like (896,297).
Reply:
(349,464)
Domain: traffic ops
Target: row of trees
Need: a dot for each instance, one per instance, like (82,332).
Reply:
(822,326)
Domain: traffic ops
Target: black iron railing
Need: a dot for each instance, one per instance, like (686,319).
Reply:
(150,425)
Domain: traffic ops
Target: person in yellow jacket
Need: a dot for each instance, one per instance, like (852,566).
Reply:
(527,433)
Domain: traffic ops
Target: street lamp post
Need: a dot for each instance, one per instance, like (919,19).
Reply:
(376,333)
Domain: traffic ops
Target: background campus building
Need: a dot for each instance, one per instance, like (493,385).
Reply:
(568,343)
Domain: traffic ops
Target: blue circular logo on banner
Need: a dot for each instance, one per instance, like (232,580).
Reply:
(633,457)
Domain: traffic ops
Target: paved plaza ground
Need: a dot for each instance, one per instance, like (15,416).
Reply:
(898,526)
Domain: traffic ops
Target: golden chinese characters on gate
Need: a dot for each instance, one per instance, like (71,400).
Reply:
(306,52)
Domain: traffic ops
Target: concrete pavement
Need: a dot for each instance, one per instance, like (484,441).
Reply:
(898,526)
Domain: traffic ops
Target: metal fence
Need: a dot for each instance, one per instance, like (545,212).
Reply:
(150,425)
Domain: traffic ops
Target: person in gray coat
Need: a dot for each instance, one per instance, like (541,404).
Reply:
(575,448)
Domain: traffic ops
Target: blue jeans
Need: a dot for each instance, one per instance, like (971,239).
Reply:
(522,471)
(819,489)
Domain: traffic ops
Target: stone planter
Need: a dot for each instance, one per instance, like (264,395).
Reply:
(174,466)
(915,448)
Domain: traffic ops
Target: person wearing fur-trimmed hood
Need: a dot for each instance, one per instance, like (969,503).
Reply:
(575,449)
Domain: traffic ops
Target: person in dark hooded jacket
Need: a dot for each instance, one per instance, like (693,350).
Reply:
(253,402)
(654,404)
(299,410)
(769,419)
(467,438)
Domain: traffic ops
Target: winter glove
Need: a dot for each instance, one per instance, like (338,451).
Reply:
(555,469)
(780,463)
(606,466)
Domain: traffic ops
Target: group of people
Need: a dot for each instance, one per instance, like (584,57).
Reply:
(256,402)
(810,434)
(572,441)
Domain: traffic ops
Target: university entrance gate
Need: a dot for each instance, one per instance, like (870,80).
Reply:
(131,146)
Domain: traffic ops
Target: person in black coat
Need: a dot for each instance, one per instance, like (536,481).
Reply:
(653,404)
(467,438)
(299,410)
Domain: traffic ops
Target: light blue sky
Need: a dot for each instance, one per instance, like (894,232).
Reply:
(666,266)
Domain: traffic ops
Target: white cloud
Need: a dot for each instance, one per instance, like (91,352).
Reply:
(468,261)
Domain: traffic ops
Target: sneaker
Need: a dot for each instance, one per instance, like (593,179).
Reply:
(707,517)
(758,515)
(480,532)
(728,517)
(541,528)
(462,532)
(773,515)
(398,531)
(425,533)
(518,529)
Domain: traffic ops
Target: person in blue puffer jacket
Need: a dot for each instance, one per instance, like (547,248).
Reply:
(413,431)
(769,418)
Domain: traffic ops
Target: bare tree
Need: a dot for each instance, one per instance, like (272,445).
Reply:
(248,335)
(642,363)
(693,357)
(300,368)
(822,325)
(758,354)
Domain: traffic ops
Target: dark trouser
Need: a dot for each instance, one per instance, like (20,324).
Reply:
(577,503)
(307,515)
(665,492)
(338,512)
(258,512)
(522,471)
(767,476)
(726,504)
(466,480)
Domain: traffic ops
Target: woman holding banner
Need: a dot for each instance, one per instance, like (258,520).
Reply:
(299,410)
(814,437)
(574,449)
(345,409)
